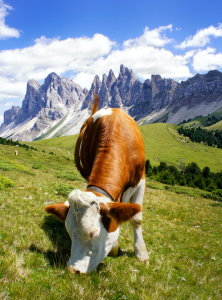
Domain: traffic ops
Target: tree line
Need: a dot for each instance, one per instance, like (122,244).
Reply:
(191,176)
(199,135)
(10,142)
(211,120)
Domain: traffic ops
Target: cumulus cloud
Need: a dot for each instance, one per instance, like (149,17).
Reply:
(6,31)
(153,38)
(48,55)
(205,60)
(202,37)
(144,61)
(85,57)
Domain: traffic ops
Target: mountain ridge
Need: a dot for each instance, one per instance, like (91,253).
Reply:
(59,106)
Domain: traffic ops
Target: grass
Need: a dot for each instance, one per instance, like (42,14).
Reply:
(182,231)
(163,143)
(215,126)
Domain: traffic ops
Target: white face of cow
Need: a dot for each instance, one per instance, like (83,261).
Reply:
(92,223)
(91,242)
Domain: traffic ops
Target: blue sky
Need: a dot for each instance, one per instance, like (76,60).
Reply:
(81,39)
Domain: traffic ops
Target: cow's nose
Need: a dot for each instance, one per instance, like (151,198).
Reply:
(73,270)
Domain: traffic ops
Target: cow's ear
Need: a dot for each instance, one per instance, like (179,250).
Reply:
(60,210)
(121,212)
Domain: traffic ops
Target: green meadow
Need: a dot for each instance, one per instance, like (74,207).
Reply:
(162,143)
(182,229)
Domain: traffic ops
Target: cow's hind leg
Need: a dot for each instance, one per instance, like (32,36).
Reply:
(136,222)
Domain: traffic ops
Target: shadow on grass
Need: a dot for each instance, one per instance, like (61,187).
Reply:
(61,241)
(58,235)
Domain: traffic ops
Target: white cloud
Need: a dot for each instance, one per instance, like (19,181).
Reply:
(44,40)
(84,79)
(86,57)
(144,61)
(6,31)
(205,60)
(56,56)
(202,37)
(11,89)
(150,38)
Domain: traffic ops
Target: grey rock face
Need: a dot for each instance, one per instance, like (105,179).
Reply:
(10,114)
(199,89)
(157,99)
(49,102)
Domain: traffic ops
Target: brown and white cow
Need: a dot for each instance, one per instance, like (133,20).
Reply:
(109,154)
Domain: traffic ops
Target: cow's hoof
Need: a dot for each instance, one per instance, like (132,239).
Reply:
(72,270)
(142,256)
(114,250)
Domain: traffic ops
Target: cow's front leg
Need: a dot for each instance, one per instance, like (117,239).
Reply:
(139,245)
(136,222)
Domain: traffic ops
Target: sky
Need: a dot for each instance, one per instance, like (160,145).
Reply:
(81,39)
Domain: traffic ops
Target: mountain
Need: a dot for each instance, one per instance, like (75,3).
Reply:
(59,106)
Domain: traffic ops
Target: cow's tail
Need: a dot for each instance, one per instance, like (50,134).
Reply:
(95,105)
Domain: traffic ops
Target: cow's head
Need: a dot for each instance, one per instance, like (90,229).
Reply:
(92,223)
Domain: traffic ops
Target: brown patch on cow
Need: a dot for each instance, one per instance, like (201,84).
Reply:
(114,214)
(59,210)
(109,224)
(112,153)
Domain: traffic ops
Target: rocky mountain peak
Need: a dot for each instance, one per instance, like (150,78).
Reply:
(33,84)
(96,85)
(85,91)
(213,75)
(126,73)
(158,99)
(110,79)
(10,114)
(52,78)
(104,80)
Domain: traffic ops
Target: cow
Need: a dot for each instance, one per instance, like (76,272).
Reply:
(16,152)
(110,155)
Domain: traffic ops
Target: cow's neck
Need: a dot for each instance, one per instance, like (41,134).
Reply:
(99,190)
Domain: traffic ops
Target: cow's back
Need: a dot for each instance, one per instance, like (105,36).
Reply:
(110,152)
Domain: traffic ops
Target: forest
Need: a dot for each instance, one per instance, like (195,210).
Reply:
(199,135)
(190,175)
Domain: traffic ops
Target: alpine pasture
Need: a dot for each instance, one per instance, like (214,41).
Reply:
(181,229)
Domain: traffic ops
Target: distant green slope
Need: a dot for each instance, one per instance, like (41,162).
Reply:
(64,142)
(216,126)
(162,143)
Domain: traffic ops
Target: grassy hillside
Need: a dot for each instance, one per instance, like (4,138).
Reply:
(199,121)
(218,125)
(182,232)
(64,142)
(162,143)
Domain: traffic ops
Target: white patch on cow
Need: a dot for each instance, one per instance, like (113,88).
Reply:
(91,242)
(66,203)
(102,112)
(131,190)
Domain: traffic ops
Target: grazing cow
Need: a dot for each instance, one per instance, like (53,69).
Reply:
(109,154)
(16,152)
